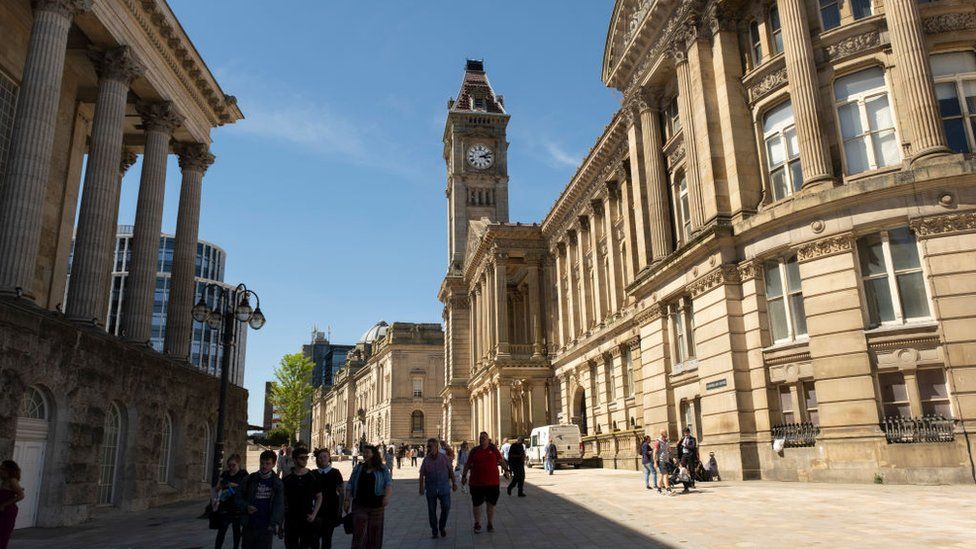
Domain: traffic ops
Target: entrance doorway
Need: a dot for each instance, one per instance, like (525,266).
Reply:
(29,452)
(579,410)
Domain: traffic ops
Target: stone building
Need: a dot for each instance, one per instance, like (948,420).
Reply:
(388,391)
(773,238)
(94,420)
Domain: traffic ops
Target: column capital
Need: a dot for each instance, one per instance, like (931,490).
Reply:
(127,160)
(722,18)
(159,115)
(194,156)
(65,8)
(584,223)
(118,63)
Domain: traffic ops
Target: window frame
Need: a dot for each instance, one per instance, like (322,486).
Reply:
(110,449)
(786,296)
(681,206)
(861,99)
(682,327)
(775,31)
(826,4)
(892,278)
(781,130)
(754,35)
(163,468)
(968,118)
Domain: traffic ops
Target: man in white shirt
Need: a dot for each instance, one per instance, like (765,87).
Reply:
(505,448)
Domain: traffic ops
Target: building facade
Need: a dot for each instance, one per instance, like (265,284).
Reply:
(328,359)
(773,238)
(388,391)
(272,418)
(95,420)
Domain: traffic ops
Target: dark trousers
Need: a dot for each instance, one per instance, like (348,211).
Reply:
(433,496)
(518,477)
(367,527)
(323,534)
(399,459)
(235,525)
(258,538)
(299,533)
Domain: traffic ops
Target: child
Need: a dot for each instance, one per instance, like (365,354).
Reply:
(713,467)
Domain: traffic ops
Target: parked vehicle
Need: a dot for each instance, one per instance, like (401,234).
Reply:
(567,440)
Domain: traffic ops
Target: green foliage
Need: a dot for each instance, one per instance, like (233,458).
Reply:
(275,438)
(291,391)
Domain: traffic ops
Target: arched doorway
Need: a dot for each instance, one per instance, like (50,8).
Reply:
(33,421)
(579,409)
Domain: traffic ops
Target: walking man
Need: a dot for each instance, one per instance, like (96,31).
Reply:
(662,460)
(551,455)
(516,460)
(437,482)
(331,486)
(263,499)
(483,463)
(647,460)
(303,499)
(413,456)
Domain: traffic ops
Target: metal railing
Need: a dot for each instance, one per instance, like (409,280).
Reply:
(909,430)
(796,434)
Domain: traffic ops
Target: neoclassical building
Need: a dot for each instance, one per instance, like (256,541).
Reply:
(388,389)
(97,420)
(773,238)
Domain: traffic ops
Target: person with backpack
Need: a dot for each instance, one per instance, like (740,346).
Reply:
(662,461)
(647,461)
(224,505)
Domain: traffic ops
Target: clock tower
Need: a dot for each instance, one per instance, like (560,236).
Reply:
(476,153)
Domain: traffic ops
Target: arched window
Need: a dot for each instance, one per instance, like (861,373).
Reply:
(417,422)
(207,454)
(33,405)
(165,450)
(108,456)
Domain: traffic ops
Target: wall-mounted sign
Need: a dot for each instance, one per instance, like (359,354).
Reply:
(718,383)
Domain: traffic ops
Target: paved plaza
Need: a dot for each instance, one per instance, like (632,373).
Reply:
(601,508)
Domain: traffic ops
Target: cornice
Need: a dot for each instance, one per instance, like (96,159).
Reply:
(649,314)
(937,225)
(825,247)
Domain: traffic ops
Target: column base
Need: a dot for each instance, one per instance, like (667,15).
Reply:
(818,183)
(927,157)
(18,293)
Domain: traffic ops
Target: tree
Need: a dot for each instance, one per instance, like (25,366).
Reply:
(291,391)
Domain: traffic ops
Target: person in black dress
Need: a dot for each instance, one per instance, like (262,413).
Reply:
(303,498)
(331,487)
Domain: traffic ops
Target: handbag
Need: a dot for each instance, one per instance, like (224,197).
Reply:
(347,526)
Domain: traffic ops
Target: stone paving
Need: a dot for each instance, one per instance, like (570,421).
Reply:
(599,508)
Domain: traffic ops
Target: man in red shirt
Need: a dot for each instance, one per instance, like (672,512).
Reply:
(483,463)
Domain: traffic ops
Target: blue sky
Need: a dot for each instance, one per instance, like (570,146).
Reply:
(329,196)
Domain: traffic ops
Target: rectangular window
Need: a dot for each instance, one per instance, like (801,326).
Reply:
(894,288)
(755,44)
(628,370)
(670,121)
(784,300)
(8,101)
(610,380)
(782,151)
(418,388)
(955,90)
(894,395)
(682,208)
(682,329)
(593,384)
(775,31)
(830,14)
(810,402)
(860,8)
(786,404)
(933,393)
(866,123)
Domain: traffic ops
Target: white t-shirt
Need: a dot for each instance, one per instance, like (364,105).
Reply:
(505,448)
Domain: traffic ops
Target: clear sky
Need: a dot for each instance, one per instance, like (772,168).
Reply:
(329,196)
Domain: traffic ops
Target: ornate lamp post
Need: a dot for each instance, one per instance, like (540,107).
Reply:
(232,306)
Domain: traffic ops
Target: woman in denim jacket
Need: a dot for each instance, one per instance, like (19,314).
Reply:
(368,491)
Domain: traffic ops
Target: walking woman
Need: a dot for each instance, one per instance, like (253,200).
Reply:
(462,458)
(10,494)
(369,490)
(225,501)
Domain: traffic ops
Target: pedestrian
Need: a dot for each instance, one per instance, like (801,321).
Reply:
(683,475)
(225,501)
(505,447)
(551,454)
(713,467)
(263,500)
(437,481)
(662,460)
(647,461)
(462,458)
(368,492)
(688,449)
(399,455)
(331,487)
(303,498)
(285,462)
(516,461)
(388,459)
(482,464)
(10,493)
(413,456)
(355,455)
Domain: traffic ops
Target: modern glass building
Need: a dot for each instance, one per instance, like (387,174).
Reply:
(206,350)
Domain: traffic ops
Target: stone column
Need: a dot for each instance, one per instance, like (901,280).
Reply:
(630,257)
(658,207)
(638,178)
(503,410)
(126,162)
(579,268)
(98,215)
(501,302)
(615,274)
(574,293)
(535,314)
(586,267)
(685,110)
(159,121)
(473,296)
(31,142)
(561,319)
(912,62)
(596,260)
(195,158)
(801,71)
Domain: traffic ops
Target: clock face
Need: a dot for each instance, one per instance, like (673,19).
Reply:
(480,157)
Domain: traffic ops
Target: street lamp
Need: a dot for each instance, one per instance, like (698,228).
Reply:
(231,306)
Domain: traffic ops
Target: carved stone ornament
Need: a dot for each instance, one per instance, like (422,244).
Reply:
(767,84)
(676,155)
(725,274)
(853,45)
(949,22)
(460,302)
(832,245)
(636,18)
(584,222)
(194,156)
(723,18)
(749,269)
(634,344)
(117,63)
(65,8)
(942,224)
(159,115)
(613,352)
(128,159)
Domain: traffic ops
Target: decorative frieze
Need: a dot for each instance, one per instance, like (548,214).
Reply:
(949,22)
(853,45)
(942,224)
(749,269)
(767,84)
(725,274)
(649,314)
(633,344)
(825,247)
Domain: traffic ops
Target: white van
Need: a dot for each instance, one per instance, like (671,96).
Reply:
(566,438)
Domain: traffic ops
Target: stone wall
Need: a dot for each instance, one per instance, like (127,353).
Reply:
(80,371)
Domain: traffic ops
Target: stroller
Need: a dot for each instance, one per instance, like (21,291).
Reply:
(682,473)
